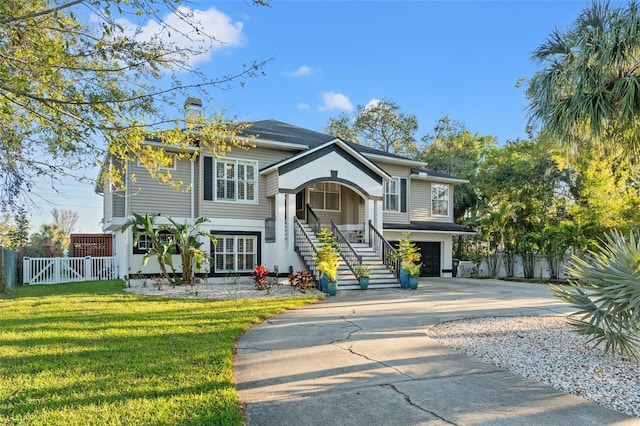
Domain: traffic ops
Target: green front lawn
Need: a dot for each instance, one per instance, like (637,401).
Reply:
(89,353)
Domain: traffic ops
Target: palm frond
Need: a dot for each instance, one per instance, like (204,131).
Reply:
(606,294)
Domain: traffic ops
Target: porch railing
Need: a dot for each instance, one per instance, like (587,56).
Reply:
(312,219)
(384,250)
(306,249)
(56,270)
(348,253)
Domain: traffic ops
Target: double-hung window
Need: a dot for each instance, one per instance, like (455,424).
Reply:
(325,196)
(439,199)
(145,242)
(236,180)
(236,253)
(392,195)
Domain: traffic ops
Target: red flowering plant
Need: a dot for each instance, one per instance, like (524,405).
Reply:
(260,274)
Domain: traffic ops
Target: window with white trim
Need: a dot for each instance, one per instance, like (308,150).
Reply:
(145,244)
(236,180)
(439,199)
(236,253)
(392,195)
(325,196)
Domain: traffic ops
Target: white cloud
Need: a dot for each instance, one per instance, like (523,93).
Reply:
(333,101)
(175,31)
(302,71)
(373,102)
(304,106)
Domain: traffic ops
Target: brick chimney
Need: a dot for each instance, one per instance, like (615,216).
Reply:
(192,110)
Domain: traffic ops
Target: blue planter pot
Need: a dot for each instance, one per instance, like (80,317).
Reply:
(332,288)
(404,278)
(324,280)
(364,283)
(413,282)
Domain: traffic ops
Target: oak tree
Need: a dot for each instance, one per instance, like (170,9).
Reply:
(79,79)
(381,124)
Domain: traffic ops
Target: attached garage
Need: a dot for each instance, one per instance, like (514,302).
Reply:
(430,259)
(435,241)
(430,252)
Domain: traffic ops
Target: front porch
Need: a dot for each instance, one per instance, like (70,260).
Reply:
(331,202)
(338,183)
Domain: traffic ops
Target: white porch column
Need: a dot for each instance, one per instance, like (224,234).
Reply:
(378,215)
(291,213)
(369,215)
(447,256)
(280,244)
(126,256)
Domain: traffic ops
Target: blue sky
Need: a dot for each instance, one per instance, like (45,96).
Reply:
(433,58)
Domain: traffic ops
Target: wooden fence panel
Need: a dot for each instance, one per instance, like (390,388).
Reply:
(94,245)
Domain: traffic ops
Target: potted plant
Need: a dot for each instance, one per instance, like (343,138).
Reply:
(327,258)
(362,273)
(408,254)
(330,269)
(413,270)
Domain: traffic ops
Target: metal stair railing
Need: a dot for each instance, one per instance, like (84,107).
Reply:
(306,249)
(348,253)
(312,220)
(384,250)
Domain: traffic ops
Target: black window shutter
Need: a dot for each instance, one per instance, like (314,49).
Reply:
(208,178)
(403,195)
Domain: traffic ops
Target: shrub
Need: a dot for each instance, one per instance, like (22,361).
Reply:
(412,268)
(328,254)
(302,281)
(607,294)
(407,251)
(363,271)
(260,274)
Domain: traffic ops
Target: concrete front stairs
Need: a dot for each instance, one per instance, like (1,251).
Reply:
(381,276)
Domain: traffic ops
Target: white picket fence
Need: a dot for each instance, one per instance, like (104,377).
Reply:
(56,270)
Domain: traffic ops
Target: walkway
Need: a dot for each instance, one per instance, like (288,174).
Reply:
(363,358)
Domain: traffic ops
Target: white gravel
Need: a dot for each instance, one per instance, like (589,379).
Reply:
(545,349)
(228,290)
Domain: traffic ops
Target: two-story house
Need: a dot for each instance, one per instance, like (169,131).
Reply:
(263,201)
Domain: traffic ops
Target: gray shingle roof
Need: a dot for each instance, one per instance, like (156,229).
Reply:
(432,173)
(278,131)
(429,226)
(274,130)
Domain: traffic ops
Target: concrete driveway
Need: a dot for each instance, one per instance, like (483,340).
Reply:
(363,358)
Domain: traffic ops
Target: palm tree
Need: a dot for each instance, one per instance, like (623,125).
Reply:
(162,250)
(496,221)
(589,87)
(185,236)
(50,241)
(607,295)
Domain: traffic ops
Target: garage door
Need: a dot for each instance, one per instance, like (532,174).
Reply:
(430,252)
(430,258)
